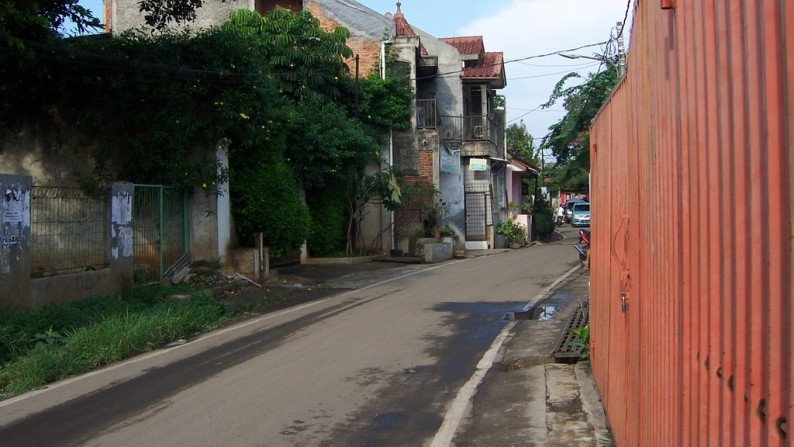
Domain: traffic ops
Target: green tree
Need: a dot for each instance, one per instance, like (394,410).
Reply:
(151,108)
(520,142)
(301,55)
(27,20)
(569,139)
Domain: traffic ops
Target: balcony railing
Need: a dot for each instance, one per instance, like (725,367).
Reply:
(469,128)
(426,114)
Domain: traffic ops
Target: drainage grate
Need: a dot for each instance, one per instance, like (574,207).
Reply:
(565,352)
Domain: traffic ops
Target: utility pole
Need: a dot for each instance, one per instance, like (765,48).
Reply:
(621,51)
(356,108)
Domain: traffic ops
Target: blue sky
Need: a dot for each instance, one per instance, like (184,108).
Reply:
(520,29)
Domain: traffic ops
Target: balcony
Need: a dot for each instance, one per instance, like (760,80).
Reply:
(484,132)
(469,128)
(426,114)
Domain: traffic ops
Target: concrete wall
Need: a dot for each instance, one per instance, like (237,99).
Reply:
(366,26)
(123,15)
(71,287)
(49,154)
(14,238)
(17,289)
(448,90)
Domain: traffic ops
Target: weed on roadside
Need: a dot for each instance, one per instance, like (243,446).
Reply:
(42,346)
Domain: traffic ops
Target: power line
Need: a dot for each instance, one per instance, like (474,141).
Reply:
(592,64)
(536,56)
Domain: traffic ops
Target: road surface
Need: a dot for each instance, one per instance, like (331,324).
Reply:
(377,366)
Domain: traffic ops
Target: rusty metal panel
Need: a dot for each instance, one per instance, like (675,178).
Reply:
(692,247)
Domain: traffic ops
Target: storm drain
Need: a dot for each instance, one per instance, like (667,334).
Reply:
(565,350)
(541,313)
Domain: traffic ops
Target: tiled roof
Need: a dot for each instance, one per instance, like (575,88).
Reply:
(466,44)
(488,66)
(403,29)
(401,26)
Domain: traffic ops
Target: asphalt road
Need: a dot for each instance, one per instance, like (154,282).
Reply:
(377,366)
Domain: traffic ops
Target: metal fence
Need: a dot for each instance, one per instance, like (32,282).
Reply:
(68,230)
(160,230)
(692,299)
(426,114)
(469,128)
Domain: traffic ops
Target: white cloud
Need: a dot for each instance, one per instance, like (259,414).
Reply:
(523,28)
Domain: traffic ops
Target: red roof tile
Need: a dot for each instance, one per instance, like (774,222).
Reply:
(488,66)
(403,29)
(467,44)
(401,26)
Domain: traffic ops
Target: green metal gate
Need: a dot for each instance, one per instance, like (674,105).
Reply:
(160,230)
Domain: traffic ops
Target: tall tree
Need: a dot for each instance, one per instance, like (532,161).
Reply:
(26,20)
(520,142)
(569,139)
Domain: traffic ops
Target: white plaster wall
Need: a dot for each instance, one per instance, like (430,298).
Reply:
(125,14)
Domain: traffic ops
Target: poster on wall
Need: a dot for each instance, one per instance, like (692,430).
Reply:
(450,160)
(14,224)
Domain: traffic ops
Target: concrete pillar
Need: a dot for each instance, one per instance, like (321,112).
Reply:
(15,254)
(224,205)
(121,224)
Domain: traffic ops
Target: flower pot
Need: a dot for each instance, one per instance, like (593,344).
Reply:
(500,241)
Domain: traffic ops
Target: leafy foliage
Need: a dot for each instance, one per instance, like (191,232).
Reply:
(265,199)
(386,103)
(581,341)
(326,145)
(152,108)
(521,143)
(160,13)
(543,219)
(301,55)
(378,188)
(569,139)
(158,122)
(329,220)
(26,20)
(514,233)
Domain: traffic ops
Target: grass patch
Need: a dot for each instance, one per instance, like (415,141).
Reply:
(45,345)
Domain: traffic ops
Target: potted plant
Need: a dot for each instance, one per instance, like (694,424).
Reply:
(517,237)
(514,235)
(502,230)
(433,222)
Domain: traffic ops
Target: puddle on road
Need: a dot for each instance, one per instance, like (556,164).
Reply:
(541,313)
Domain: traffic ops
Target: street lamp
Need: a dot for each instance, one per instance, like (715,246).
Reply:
(620,66)
(599,59)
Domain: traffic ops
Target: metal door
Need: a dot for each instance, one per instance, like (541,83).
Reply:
(478,216)
(160,230)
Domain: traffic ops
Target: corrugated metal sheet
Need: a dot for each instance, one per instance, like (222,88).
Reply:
(692,165)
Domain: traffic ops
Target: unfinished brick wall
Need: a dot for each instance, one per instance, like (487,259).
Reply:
(367,49)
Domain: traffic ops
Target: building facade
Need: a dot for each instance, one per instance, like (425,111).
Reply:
(456,140)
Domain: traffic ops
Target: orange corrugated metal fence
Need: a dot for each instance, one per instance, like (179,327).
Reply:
(691,190)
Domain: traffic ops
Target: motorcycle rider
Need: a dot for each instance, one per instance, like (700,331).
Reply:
(560,215)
